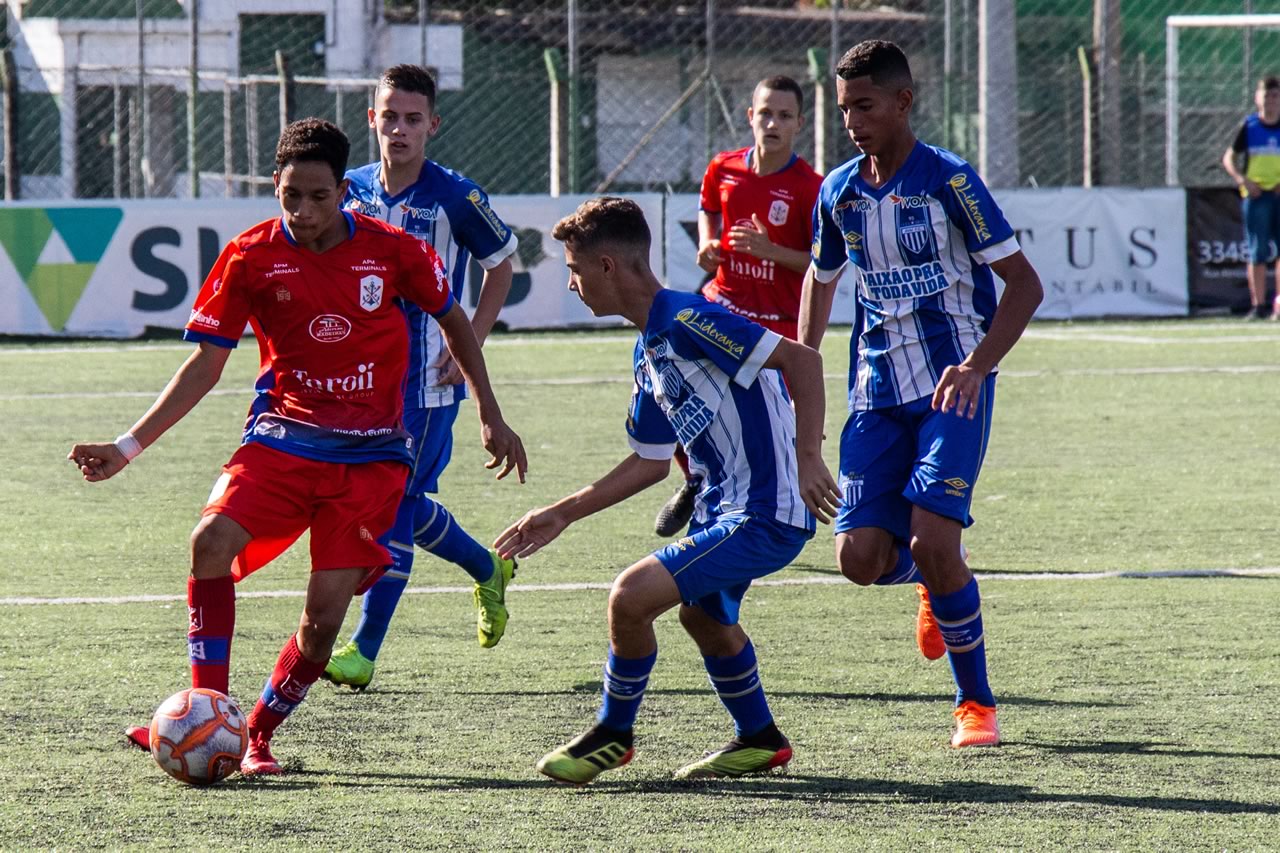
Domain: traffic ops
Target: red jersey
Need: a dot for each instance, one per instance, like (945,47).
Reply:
(757,289)
(331,334)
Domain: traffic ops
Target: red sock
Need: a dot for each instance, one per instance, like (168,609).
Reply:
(682,460)
(211,604)
(284,691)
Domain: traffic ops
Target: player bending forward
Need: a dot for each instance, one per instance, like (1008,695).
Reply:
(923,235)
(709,379)
(323,446)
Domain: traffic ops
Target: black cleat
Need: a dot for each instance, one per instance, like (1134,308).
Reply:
(677,512)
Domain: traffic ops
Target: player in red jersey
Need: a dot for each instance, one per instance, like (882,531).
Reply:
(323,446)
(755,227)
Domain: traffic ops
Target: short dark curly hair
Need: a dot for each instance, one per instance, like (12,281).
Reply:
(882,61)
(314,140)
(605,220)
(409,78)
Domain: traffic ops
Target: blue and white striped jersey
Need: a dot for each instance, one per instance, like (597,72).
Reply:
(452,214)
(698,379)
(920,247)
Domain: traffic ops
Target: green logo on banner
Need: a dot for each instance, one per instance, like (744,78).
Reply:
(55,251)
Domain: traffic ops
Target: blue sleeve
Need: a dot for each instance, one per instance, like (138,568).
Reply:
(828,254)
(734,344)
(971,208)
(648,430)
(475,226)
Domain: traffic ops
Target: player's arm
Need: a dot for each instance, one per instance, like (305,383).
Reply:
(754,240)
(540,526)
(499,439)
(709,226)
(193,380)
(494,288)
(816,298)
(827,262)
(801,367)
(1230,163)
(960,385)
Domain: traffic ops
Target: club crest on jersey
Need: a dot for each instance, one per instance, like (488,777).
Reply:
(915,236)
(371,292)
(778,212)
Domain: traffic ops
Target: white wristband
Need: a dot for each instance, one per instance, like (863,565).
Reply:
(129,446)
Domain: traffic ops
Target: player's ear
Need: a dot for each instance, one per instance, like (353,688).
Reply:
(751,114)
(372,123)
(608,265)
(275,181)
(433,126)
(906,98)
(343,186)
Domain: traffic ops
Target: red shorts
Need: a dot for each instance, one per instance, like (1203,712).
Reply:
(276,496)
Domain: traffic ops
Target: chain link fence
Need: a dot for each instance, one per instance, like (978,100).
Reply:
(130,98)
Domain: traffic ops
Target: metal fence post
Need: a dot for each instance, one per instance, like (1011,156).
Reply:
(555,75)
(818,74)
(286,89)
(193,89)
(9,81)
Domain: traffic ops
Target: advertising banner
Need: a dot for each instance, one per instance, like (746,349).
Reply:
(1099,252)
(1217,251)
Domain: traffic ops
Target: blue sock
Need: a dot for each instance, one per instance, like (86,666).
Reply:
(736,681)
(624,682)
(959,617)
(904,571)
(379,603)
(438,533)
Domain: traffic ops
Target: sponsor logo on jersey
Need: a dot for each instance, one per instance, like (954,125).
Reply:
(369,265)
(778,212)
(361,380)
(909,202)
(477,199)
(963,188)
(956,486)
(706,328)
(904,282)
(198,316)
(748,267)
(781,193)
(856,205)
(853,240)
(690,418)
(329,328)
(371,292)
(217,285)
(281,268)
(915,236)
(419,214)
(369,208)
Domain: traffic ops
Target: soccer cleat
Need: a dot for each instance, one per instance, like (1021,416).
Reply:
(347,666)
(928,635)
(491,602)
(587,756)
(737,758)
(258,760)
(676,513)
(975,726)
(139,736)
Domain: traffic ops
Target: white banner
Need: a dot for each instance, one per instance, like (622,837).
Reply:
(1099,252)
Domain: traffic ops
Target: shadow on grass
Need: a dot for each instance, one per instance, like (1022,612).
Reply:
(821,789)
(1141,747)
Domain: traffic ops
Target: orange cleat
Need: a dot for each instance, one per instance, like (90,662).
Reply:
(928,636)
(258,760)
(139,736)
(975,726)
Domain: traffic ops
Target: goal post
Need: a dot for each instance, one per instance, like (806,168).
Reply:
(1172,26)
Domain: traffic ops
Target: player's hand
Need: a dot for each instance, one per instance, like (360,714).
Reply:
(1252,188)
(959,389)
(538,528)
(818,488)
(98,462)
(751,240)
(506,449)
(709,255)
(450,373)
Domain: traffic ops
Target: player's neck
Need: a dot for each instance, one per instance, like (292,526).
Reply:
(765,163)
(330,237)
(637,300)
(879,169)
(395,179)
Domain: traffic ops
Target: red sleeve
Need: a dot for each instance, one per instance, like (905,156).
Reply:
(222,307)
(422,277)
(710,196)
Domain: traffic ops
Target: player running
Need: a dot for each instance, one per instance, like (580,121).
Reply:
(709,379)
(755,225)
(323,446)
(451,214)
(923,235)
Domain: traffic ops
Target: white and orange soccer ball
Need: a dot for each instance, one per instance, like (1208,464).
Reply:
(198,736)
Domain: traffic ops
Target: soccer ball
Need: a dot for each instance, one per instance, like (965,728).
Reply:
(198,736)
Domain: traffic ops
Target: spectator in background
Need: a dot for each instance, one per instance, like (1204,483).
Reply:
(1258,142)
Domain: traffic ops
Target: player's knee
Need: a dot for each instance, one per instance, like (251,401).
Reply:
(318,630)
(625,608)
(212,549)
(931,555)
(858,562)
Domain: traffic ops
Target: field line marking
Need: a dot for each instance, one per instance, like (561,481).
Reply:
(825,580)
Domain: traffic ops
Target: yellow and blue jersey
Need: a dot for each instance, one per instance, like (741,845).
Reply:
(920,247)
(1259,142)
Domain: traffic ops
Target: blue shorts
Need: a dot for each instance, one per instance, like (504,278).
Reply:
(715,564)
(432,431)
(1262,226)
(895,458)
